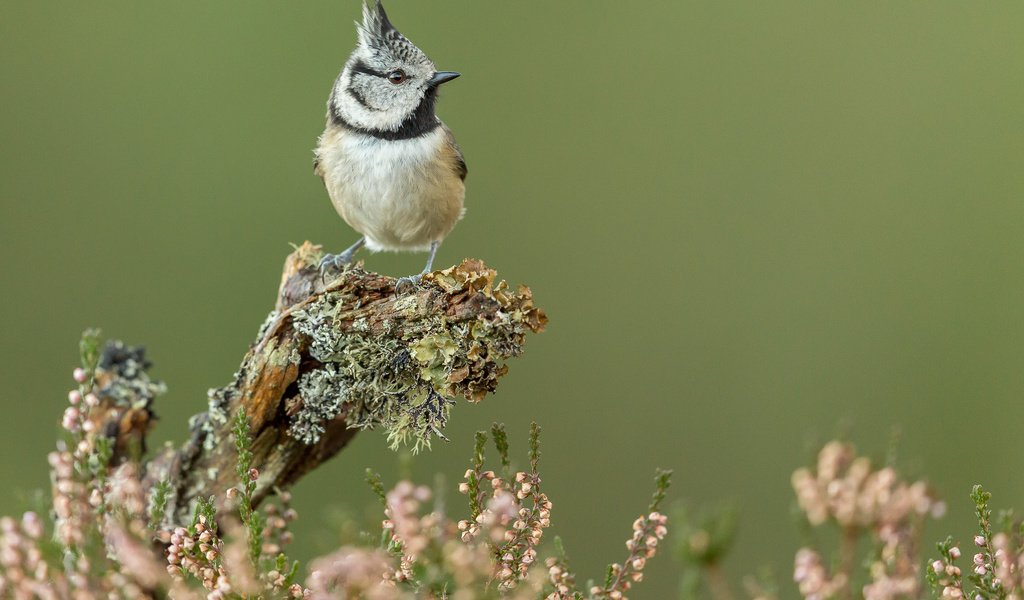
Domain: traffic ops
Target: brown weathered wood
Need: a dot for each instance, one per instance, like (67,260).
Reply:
(395,357)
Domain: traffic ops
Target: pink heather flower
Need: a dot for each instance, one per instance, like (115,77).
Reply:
(954,553)
(70,419)
(79,375)
(938,567)
(32,525)
(979,541)
(74,397)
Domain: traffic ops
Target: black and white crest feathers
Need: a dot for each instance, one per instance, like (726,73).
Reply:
(377,34)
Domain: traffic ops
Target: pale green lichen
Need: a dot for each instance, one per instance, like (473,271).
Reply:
(271,317)
(216,415)
(406,384)
(315,322)
(435,353)
(322,390)
(374,377)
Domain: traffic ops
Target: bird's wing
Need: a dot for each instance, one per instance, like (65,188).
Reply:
(460,160)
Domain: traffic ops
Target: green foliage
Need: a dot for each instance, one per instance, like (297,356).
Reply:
(500,437)
(98,463)
(205,512)
(985,583)
(479,445)
(475,474)
(375,483)
(290,570)
(662,480)
(534,446)
(89,352)
(252,520)
(158,504)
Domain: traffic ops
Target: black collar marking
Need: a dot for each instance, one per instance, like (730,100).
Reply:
(421,122)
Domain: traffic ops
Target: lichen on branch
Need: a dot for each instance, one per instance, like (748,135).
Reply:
(345,352)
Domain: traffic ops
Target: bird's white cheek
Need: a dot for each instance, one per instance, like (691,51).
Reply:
(366,118)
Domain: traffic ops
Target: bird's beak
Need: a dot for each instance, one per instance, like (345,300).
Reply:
(442,77)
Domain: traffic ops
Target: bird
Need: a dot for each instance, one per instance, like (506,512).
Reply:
(392,168)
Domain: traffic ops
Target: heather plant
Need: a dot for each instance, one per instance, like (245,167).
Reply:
(997,563)
(111,538)
(875,515)
(865,507)
(110,531)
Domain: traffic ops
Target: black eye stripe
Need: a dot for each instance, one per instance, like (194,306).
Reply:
(361,67)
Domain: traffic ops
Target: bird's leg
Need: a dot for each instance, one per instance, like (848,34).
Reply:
(414,280)
(337,261)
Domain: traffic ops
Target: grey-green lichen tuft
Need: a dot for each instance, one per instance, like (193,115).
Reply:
(374,376)
(218,406)
(128,384)
(403,373)
(322,390)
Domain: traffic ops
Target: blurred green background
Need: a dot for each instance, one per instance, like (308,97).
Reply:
(753,224)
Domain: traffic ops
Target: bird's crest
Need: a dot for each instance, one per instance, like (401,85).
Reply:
(378,34)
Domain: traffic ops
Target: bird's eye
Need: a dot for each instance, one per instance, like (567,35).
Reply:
(397,76)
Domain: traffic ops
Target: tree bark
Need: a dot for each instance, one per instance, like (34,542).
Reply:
(338,354)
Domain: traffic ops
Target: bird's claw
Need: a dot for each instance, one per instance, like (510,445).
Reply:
(335,262)
(411,281)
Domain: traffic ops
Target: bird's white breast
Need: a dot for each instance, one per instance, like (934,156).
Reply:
(397,193)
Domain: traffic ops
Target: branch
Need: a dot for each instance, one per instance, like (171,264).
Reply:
(335,356)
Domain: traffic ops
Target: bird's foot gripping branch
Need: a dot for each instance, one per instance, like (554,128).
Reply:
(339,354)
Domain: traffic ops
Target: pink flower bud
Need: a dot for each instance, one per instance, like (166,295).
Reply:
(70,419)
(979,541)
(79,375)
(74,397)
(954,553)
